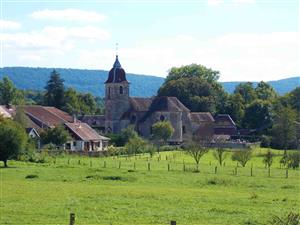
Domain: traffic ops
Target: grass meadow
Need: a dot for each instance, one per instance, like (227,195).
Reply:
(99,192)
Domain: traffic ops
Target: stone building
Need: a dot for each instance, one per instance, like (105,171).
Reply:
(121,110)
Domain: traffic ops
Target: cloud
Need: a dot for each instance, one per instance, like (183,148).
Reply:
(244,1)
(215,2)
(9,25)
(68,15)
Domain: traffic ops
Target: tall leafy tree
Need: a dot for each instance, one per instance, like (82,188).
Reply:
(247,92)
(54,95)
(235,108)
(57,136)
(13,140)
(9,94)
(258,114)
(162,131)
(284,130)
(265,91)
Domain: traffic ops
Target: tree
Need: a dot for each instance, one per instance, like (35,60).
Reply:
(13,139)
(247,92)
(196,87)
(198,148)
(57,136)
(192,70)
(71,102)
(9,94)
(87,103)
(264,91)
(268,158)
(54,95)
(220,153)
(258,114)
(21,117)
(294,99)
(235,108)
(162,131)
(284,131)
(135,145)
(242,156)
(293,160)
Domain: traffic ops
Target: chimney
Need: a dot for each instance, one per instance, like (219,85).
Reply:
(74,118)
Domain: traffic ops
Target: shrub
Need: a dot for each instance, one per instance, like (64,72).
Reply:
(242,156)
(293,160)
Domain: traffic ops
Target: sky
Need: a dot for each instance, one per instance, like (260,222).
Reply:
(249,40)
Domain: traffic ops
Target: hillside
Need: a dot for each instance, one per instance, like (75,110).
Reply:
(92,81)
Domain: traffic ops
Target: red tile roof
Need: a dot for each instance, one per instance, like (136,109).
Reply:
(84,132)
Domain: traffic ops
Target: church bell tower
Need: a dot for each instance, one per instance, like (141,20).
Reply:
(116,98)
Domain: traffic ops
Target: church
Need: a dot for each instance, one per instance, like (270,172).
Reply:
(122,110)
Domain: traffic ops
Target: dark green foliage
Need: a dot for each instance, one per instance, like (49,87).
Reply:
(242,156)
(9,94)
(264,91)
(21,117)
(284,132)
(247,92)
(258,115)
(13,140)
(234,106)
(57,136)
(121,139)
(54,95)
(265,141)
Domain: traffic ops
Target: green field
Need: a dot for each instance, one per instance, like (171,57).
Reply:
(98,192)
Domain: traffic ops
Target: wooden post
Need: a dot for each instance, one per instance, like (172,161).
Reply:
(68,161)
(235,171)
(104,164)
(54,160)
(168,167)
(251,172)
(79,162)
(216,169)
(183,167)
(269,172)
(119,164)
(72,218)
(286,173)
(173,222)
(148,166)
(134,165)
(91,164)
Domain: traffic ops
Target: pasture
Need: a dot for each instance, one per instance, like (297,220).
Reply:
(122,190)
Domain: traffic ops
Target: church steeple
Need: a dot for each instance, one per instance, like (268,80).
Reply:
(117,73)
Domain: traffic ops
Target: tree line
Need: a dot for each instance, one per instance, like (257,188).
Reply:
(276,119)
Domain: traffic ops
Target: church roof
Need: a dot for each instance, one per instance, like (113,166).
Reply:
(201,117)
(117,73)
(140,104)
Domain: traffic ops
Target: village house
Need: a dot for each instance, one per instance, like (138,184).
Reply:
(84,138)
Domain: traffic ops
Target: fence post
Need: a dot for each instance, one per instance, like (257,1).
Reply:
(184,167)
(134,165)
(68,161)
(91,164)
(168,167)
(173,222)
(72,218)
(79,162)
(216,170)
(251,172)
(119,164)
(269,172)
(235,171)
(104,164)
(148,166)
(286,173)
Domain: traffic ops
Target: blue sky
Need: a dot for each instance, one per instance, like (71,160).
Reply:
(243,39)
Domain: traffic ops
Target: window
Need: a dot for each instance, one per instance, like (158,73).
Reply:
(121,90)
(183,129)
(162,118)
(133,119)
(74,143)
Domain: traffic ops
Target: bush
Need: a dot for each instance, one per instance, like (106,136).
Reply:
(293,160)
(289,219)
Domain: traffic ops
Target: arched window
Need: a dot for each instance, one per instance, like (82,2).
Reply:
(121,90)
(162,118)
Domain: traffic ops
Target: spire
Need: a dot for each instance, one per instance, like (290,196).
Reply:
(117,64)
